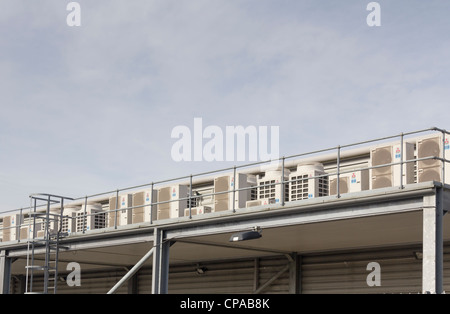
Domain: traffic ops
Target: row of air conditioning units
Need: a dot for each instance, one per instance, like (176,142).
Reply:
(386,168)
(242,191)
(75,219)
(305,182)
(422,170)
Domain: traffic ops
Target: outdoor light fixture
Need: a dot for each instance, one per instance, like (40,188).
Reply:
(201,270)
(255,233)
(418,255)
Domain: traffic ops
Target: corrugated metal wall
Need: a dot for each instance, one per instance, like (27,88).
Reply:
(222,277)
(234,277)
(400,272)
(99,282)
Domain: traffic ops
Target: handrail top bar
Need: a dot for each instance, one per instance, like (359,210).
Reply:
(35,195)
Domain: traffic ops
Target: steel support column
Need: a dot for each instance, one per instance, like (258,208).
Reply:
(5,272)
(160,273)
(295,274)
(432,263)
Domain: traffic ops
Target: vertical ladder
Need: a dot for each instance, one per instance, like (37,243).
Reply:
(49,244)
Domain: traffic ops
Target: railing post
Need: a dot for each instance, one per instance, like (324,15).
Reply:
(84,214)
(283,196)
(151,204)
(338,191)
(20,225)
(401,160)
(234,189)
(117,208)
(190,197)
(443,158)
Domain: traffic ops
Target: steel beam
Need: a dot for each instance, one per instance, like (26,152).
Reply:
(275,277)
(160,272)
(284,217)
(92,241)
(5,272)
(433,246)
(132,271)
(295,274)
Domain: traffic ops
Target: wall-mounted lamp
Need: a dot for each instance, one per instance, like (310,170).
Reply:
(201,270)
(255,233)
(418,255)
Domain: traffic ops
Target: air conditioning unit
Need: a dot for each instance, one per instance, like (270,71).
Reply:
(302,187)
(388,176)
(270,187)
(199,210)
(172,207)
(124,215)
(53,223)
(224,201)
(431,169)
(10,227)
(26,231)
(349,182)
(90,217)
(144,199)
(260,202)
(69,219)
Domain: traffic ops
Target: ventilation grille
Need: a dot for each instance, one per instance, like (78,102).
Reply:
(7,233)
(429,148)
(267,190)
(65,224)
(381,176)
(96,219)
(99,220)
(164,208)
(81,222)
(113,205)
(430,169)
(138,212)
(343,186)
(221,201)
(303,188)
(382,156)
(24,233)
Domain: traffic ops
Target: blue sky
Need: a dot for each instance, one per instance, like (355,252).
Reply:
(90,109)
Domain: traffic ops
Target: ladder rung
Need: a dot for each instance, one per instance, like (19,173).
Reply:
(39,267)
(35,267)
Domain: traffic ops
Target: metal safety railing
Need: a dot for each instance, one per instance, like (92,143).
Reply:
(336,154)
